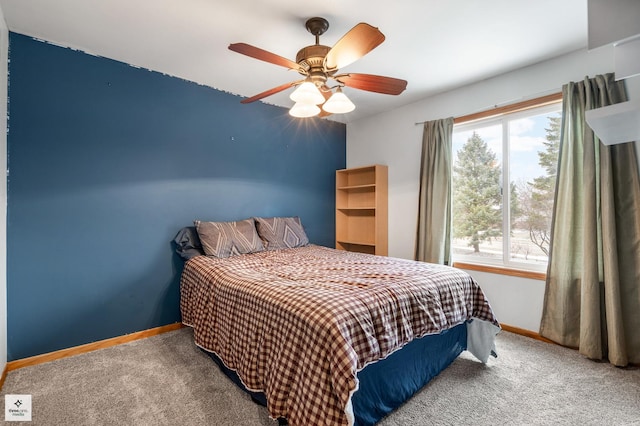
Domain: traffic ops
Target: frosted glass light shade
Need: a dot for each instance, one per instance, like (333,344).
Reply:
(302,110)
(307,93)
(338,103)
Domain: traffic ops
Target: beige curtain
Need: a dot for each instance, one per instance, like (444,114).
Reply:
(433,240)
(592,297)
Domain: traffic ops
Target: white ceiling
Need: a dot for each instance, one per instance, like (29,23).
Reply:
(435,45)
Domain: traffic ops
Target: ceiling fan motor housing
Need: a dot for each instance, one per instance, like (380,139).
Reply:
(311,60)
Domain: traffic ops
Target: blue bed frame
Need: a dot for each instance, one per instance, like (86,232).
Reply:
(388,383)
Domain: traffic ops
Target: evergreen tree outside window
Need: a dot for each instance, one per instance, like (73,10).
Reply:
(477,193)
(518,151)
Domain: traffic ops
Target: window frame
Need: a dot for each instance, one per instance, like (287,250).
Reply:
(505,266)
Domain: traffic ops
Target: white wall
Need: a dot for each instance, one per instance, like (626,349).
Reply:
(4,63)
(394,139)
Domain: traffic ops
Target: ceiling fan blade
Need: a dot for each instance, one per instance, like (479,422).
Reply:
(373,83)
(269,92)
(356,43)
(263,55)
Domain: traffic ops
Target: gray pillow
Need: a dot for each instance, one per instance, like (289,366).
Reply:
(224,239)
(187,243)
(281,232)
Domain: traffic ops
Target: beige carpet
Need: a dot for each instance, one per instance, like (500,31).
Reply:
(166,380)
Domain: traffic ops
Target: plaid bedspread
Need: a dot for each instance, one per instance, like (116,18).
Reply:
(298,324)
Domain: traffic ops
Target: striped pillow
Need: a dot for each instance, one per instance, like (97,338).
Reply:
(281,232)
(225,239)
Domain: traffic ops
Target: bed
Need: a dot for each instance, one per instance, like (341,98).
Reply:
(325,336)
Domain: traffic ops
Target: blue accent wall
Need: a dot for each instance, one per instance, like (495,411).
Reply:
(108,161)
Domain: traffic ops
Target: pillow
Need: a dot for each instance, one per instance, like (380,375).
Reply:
(224,239)
(281,232)
(187,243)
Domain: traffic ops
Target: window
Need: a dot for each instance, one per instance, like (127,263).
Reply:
(506,160)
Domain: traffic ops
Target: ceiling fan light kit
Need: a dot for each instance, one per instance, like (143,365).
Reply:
(307,93)
(318,64)
(302,110)
(338,103)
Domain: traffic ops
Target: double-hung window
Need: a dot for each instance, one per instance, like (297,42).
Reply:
(504,173)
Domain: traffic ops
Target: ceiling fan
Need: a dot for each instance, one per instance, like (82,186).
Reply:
(319,64)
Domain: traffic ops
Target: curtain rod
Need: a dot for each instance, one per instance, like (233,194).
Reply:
(508,106)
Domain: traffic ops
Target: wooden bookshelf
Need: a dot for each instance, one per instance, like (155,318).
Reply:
(361,209)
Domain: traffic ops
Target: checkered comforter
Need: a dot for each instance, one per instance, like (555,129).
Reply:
(299,323)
